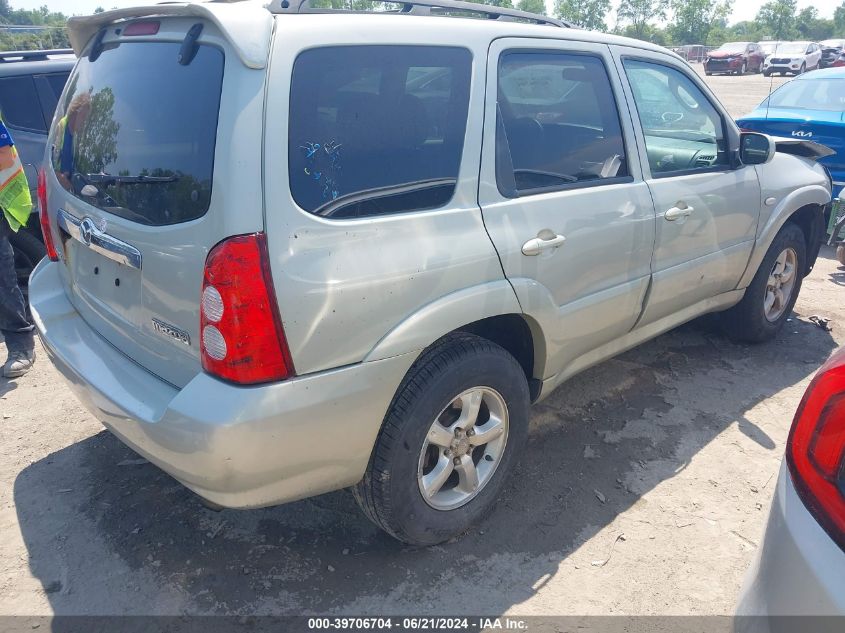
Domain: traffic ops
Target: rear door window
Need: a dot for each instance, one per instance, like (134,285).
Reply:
(137,130)
(19,105)
(558,126)
(375,130)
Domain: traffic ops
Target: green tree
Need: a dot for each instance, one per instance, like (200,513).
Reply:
(588,14)
(97,142)
(779,19)
(811,27)
(839,19)
(649,33)
(505,4)
(640,13)
(532,6)
(693,20)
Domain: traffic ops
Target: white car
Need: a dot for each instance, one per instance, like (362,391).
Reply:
(800,566)
(793,57)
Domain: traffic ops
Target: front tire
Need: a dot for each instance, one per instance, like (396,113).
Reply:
(449,439)
(770,297)
(742,70)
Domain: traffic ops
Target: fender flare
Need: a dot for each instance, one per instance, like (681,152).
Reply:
(448,313)
(796,200)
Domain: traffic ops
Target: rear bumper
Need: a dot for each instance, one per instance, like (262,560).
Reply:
(798,570)
(236,446)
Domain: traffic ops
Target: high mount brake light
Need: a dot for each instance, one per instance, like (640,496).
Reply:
(815,451)
(241,335)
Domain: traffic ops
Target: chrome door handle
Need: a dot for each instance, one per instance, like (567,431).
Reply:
(536,246)
(676,213)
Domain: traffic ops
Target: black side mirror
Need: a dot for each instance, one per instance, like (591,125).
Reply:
(755,149)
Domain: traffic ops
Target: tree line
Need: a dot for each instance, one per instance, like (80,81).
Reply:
(665,22)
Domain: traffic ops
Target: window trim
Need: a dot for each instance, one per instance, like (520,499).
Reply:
(587,184)
(461,159)
(639,122)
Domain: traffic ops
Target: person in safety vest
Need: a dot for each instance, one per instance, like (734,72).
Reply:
(15,207)
(68,128)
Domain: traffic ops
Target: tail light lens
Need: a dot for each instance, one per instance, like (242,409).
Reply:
(241,335)
(815,451)
(44,216)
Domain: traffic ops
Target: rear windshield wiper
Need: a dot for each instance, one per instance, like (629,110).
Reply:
(108,179)
(334,208)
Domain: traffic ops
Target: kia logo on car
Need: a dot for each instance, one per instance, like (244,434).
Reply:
(802,134)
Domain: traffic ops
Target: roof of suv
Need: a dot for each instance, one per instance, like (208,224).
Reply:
(248,24)
(17,63)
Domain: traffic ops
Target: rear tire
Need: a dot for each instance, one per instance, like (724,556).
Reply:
(840,254)
(757,318)
(422,436)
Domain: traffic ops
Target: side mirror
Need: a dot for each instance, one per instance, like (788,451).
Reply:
(755,149)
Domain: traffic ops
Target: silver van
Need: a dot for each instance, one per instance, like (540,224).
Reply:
(294,250)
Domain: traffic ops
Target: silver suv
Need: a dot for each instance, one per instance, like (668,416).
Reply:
(293,251)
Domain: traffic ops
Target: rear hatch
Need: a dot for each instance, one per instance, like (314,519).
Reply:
(141,180)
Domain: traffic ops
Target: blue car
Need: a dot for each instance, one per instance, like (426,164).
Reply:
(811,107)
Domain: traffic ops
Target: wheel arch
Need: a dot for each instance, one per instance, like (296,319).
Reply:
(489,310)
(805,207)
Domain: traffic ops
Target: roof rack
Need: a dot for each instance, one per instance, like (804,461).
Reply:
(31,56)
(424,7)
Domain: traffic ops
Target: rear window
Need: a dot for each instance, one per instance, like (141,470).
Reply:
(136,131)
(377,129)
(810,94)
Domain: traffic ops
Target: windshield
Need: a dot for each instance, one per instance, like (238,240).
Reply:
(733,47)
(136,132)
(810,94)
(769,47)
(833,43)
(793,48)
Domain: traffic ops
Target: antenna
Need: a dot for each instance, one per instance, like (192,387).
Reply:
(771,84)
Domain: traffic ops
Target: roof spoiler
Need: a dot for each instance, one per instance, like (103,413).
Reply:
(247,25)
(798,147)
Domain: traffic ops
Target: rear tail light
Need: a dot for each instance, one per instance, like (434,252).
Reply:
(241,335)
(816,448)
(44,216)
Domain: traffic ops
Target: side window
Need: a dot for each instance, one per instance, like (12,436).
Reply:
(558,125)
(375,130)
(683,131)
(19,104)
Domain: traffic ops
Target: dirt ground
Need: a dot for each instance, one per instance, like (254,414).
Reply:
(644,490)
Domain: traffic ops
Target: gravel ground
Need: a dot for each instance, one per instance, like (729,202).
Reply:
(643,490)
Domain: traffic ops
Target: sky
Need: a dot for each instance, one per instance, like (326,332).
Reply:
(743,9)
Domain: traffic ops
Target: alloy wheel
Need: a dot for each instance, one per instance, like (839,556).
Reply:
(781,284)
(463,448)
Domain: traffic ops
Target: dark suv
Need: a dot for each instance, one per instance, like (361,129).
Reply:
(31,83)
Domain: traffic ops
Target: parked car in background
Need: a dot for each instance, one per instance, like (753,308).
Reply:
(735,58)
(30,85)
(810,108)
(793,57)
(374,300)
(799,568)
(769,47)
(832,50)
